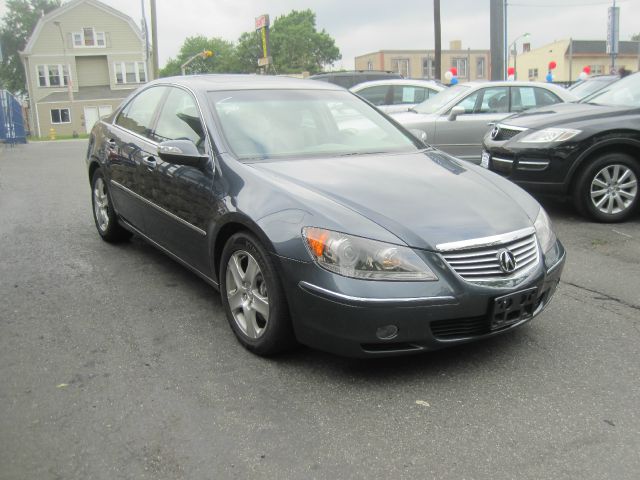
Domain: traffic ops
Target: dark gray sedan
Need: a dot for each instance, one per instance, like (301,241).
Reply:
(318,219)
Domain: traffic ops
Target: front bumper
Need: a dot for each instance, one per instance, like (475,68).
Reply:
(345,316)
(539,168)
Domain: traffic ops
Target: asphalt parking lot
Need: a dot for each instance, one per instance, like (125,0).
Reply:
(116,362)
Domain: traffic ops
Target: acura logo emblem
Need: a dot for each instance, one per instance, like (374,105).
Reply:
(507,260)
(495,131)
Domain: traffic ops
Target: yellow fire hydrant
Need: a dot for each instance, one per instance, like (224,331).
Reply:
(52,133)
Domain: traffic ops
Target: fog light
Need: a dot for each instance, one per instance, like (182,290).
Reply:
(387,332)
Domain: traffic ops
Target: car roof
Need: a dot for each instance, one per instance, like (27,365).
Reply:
(398,81)
(215,82)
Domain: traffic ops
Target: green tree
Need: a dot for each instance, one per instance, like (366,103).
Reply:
(248,51)
(16,28)
(296,44)
(223,59)
(636,37)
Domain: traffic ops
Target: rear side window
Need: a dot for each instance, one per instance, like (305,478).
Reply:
(378,95)
(139,113)
(407,94)
(524,98)
(180,120)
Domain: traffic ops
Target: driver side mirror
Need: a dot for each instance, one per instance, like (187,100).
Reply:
(455,111)
(182,152)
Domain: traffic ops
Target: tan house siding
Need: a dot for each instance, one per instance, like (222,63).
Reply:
(116,39)
(92,71)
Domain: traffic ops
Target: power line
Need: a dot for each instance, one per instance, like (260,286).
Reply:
(556,5)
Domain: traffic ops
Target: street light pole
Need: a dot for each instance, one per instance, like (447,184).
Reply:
(514,48)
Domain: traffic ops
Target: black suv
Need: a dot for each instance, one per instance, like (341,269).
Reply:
(352,78)
(588,150)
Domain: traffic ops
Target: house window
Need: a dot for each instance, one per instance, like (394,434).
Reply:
(130,72)
(461,66)
(480,67)
(60,115)
(533,74)
(597,69)
(428,68)
(369,65)
(401,66)
(53,75)
(88,37)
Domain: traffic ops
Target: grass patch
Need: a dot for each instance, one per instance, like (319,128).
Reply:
(82,136)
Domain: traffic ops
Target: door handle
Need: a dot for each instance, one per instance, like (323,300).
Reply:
(150,162)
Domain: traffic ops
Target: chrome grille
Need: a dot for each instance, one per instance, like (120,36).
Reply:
(481,263)
(505,133)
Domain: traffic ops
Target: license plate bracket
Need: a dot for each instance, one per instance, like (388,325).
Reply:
(512,308)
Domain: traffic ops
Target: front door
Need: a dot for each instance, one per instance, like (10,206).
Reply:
(181,194)
(91,116)
(463,136)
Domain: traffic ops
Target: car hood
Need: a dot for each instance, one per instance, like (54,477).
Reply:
(408,118)
(423,198)
(560,114)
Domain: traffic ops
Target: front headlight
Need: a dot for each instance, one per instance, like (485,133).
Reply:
(544,231)
(548,135)
(362,258)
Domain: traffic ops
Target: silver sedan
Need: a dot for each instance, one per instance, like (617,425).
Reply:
(457,119)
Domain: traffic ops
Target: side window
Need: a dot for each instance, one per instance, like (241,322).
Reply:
(469,103)
(408,94)
(377,95)
(494,100)
(545,97)
(180,120)
(138,115)
(523,98)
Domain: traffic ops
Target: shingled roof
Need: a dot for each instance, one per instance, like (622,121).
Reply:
(599,47)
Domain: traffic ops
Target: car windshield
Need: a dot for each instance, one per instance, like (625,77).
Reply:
(264,124)
(433,104)
(586,88)
(623,93)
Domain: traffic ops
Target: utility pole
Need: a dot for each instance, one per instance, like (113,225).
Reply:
(154,39)
(438,45)
(498,43)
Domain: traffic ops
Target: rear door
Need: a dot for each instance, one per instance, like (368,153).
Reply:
(129,147)
(463,136)
(181,195)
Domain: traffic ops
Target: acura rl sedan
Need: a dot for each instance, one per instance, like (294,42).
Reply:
(589,151)
(318,219)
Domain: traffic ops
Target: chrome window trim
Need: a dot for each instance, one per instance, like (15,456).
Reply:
(159,208)
(336,296)
(485,241)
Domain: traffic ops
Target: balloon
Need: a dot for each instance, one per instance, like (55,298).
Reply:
(511,71)
(552,65)
(587,69)
(454,80)
(549,77)
(511,78)
(583,75)
(448,75)
(454,71)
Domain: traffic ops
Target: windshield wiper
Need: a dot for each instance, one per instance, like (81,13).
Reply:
(350,154)
(411,109)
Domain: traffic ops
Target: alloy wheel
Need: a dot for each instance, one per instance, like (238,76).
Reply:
(246,290)
(614,189)
(101,204)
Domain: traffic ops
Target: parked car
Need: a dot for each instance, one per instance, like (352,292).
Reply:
(456,120)
(588,150)
(591,85)
(397,95)
(348,79)
(352,240)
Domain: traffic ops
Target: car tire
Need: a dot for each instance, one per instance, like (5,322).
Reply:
(253,297)
(607,190)
(103,214)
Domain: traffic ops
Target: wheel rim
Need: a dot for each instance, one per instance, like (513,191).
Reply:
(247,294)
(101,205)
(614,189)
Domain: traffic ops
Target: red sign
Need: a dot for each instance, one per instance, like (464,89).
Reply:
(262,21)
